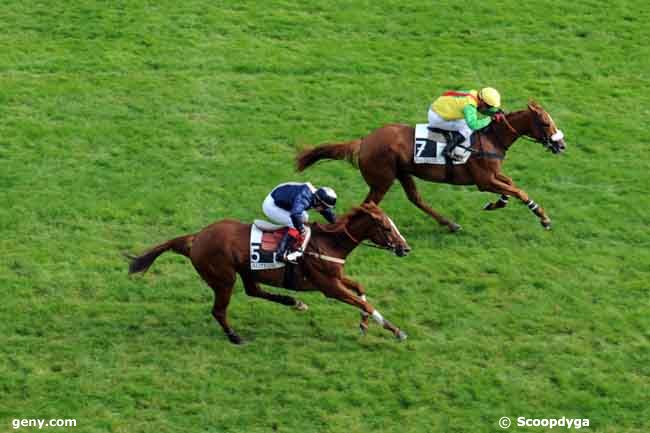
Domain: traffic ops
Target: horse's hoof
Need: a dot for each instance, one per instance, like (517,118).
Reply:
(235,339)
(453,227)
(363,328)
(546,224)
(401,335)
(301,306)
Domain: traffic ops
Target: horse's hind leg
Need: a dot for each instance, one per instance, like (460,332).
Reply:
(252,288)
(221,300)
(379,177)
(414,196)
(222,284)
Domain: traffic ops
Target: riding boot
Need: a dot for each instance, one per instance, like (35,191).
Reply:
(449,146)
(290,247)
(293,251)
(284,246)
(453,139)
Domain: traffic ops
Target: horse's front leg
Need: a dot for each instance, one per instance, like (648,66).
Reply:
(498,186)
(338,290)
(361,292)
(499,204)
(503,200)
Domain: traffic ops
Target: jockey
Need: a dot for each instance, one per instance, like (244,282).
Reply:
(457,111)
(287,205)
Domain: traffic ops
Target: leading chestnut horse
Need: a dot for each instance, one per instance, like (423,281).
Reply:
(386,154)
(221,251)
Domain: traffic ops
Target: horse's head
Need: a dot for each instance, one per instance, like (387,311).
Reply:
(543,129)
(382,231)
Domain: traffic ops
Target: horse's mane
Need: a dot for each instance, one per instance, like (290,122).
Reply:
(336,227)
(341,221)
(516,114)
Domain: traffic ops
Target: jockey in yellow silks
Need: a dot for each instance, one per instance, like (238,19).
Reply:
(458,111)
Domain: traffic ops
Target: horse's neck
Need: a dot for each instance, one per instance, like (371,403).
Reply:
(342,239)
(520,121)
(355,230)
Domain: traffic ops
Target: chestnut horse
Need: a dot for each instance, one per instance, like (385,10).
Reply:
(221,250)
(386,154)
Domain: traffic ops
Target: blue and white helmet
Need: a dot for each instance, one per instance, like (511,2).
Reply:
(326,196)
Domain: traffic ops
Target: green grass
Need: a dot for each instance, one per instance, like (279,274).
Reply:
(126,123)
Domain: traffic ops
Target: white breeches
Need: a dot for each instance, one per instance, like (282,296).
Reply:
(277,215)
(449,125)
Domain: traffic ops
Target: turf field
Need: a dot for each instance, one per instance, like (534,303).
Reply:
(125,123)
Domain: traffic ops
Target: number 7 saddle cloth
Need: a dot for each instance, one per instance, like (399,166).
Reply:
(428,146)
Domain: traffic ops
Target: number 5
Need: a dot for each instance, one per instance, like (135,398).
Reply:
(255,253)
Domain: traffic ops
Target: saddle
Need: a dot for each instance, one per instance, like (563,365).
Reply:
(272,234)
(265,242)
(451,137)
(266,226)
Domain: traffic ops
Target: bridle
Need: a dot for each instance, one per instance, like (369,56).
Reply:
(389,244)
(549,142)
(356,241)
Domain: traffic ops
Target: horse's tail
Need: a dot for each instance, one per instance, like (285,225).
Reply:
(348,151)
(180,245)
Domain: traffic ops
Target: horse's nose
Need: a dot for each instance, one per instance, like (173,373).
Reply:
(402,251)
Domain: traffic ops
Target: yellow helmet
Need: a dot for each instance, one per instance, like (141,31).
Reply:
(490,96)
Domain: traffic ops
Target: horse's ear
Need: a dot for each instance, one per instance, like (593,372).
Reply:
(370,208)
(534,106)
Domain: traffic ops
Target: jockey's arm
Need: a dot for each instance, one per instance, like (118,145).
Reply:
(300,204)
(329,215)
(471,117)
(297,221)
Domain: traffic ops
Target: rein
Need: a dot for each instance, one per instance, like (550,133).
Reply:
(546,141)
(379,247)
(481,153)
(510,127)
(353,239)
(326,258)
(365,244)
(494,155)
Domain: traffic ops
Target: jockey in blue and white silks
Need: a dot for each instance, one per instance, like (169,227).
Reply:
(287,204)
